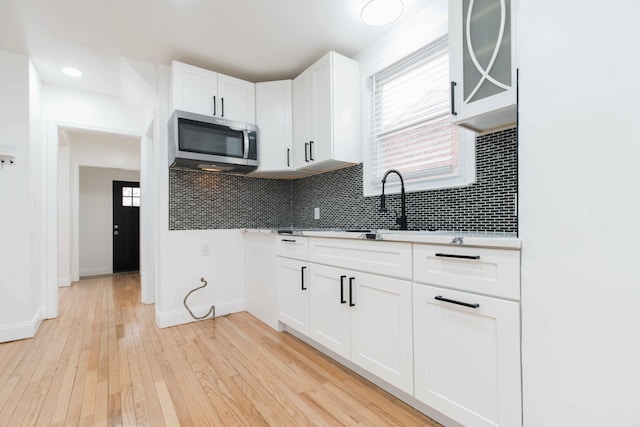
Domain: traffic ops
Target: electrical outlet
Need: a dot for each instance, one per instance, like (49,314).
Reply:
(316,213)
(205,249)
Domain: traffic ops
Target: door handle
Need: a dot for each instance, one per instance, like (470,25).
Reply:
(214,105)
(342,300)
(351,303)
(453,99)
(311,151)
(222,105)
(302,269)
(306,152)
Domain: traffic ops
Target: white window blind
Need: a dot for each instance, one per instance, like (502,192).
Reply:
(410,129)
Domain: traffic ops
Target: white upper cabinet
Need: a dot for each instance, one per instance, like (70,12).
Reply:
(274,119)
(237,99)
(209,93)
(327,109)
(483,63)
(193,89)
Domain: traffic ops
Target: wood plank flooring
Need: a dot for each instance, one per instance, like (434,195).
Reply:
(103,362)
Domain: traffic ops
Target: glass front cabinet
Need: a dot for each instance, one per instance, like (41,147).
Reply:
(483,63)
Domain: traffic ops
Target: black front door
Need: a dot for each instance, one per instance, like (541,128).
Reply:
(126,226)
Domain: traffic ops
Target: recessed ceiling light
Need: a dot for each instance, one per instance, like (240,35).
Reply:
(381,12)
(72,72)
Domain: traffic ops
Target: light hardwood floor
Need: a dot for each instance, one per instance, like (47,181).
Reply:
(104,362)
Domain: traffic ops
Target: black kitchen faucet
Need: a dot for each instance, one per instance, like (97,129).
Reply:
(402,219)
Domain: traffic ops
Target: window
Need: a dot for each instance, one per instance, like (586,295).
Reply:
(131,197)
(410,129)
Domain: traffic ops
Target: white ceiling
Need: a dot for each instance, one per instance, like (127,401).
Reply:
(257,40)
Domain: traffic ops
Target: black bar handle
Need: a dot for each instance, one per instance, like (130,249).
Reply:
(351,303)
(288,240)
(452,301)
(342,300)
(458,256)
(302,269)
(214,105)
(288,157)
(222,105)
(453,99)
(306,152)
(311,151)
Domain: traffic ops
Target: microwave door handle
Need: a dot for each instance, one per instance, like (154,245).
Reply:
(245,134)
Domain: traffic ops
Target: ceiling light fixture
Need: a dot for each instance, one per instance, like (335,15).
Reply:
(72,72)
(381,12)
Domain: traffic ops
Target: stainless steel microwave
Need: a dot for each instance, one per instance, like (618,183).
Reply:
(213,144)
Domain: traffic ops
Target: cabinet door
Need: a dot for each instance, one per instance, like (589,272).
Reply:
(293,294)
(329,313)
(321,91)
(482,62)
(237,99)
(467,360)
(193,89)
(301,120)
(274,120)
(381,329)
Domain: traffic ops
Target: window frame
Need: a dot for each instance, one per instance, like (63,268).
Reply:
(466,140)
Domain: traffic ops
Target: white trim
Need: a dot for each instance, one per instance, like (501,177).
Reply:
(22,330)
(180,317)
(63,282)
(51,129)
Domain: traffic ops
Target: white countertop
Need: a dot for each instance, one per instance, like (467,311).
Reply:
(457,238)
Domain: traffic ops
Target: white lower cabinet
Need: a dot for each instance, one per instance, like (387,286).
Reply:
(293,294)
(365,318)
(467,358)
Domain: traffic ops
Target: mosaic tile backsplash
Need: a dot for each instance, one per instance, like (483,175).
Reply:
(200,200)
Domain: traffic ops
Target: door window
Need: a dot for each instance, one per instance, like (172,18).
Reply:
(131,197)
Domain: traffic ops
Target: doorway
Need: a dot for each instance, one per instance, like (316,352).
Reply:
(126,226)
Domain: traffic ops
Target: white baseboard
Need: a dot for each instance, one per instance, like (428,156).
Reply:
(64,282)
(95,271)
(180,317)
(22,330)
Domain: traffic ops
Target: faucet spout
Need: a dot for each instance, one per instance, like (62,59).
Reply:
(402,219)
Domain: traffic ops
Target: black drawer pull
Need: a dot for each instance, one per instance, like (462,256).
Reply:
(288,240)
(302,269)
(458,256)
(342,300)
(452,301)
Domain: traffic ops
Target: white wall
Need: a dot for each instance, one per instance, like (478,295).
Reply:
(86,110)
(64,211)
(579,150)
(21,302)
(179,261)
(95,222)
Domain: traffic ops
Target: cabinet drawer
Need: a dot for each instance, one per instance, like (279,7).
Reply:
(292,247)
(487,271)
(386,258)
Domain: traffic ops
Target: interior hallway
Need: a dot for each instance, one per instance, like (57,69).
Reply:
(104,362)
